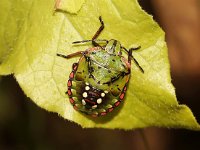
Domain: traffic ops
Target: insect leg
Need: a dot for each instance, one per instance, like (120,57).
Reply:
(94,39)
(99,30)
(130,56)
(71,55)
(135,48)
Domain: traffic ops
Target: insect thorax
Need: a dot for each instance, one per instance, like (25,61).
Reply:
(105,68)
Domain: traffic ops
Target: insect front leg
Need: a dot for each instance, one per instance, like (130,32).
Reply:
(94,39)
(99,30)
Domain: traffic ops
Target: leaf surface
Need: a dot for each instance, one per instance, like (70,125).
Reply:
(32,34)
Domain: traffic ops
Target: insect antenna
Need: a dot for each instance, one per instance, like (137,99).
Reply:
(130,56)
(85,41)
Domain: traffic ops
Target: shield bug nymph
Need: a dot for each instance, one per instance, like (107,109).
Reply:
(98,81)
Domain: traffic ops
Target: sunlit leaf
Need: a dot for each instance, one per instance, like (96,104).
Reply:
(32,34)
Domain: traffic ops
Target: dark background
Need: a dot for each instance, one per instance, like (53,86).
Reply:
(23,125)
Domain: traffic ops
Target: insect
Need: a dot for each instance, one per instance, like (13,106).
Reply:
(98,82)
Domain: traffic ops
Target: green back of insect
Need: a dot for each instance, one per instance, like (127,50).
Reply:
(113,47)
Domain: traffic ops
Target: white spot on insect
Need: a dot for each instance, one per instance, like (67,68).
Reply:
(85,94)
(106,92)
(103,94)
(87,88)
(86,83)
(94,106)
(99,100)
(83,102)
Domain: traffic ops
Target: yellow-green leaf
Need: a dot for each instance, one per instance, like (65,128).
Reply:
(31,34)
(69,5)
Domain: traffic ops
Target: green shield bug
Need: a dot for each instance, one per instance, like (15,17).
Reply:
(98,82)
